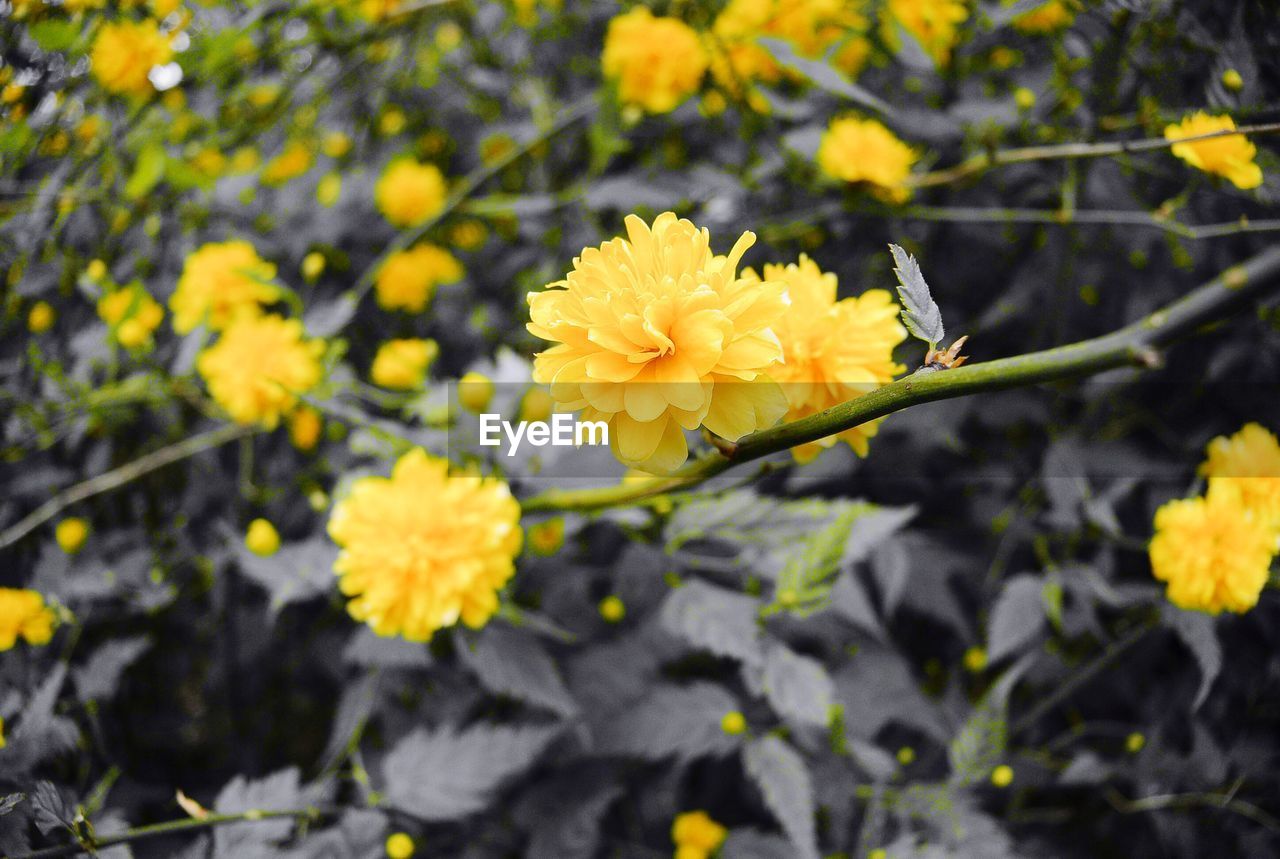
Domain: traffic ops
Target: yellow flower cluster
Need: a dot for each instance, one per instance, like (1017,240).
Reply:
(696,835)
(258,367)
(221,282)
(656,334)
(132,314)
(863,150)
(935,24)
(422,550)
(656,62)
(1215,552)
(408,279)
(23,614)
(833,351)
(295,159)
(1230,156)
(124,53)
(409,193)
(403,364)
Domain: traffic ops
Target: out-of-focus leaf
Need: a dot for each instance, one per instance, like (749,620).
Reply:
(715,619)
(298,571)
(513,662)
(370,650)
(683,722)
(446,774)
(328,318)
(980,743)
(876,688)
(753,844)
(147,171)
(279,791)
(872,528)
(849,599)
(823,75)
(54,34)
(804,583)
(52,812)
(1199,634)
(784,782)
(797,686)
(1017,618)
(100,675)
(919,311)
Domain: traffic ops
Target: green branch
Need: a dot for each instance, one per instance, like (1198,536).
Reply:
(1137,344)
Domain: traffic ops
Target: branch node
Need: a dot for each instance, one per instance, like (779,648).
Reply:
(1147,357)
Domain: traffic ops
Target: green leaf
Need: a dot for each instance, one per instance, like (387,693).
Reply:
(513,662)
(806,579)
(784,781)
(53,34)
(443,774)
(715,619)
(147,171)
(679,721)
(798,687)
(980,743)
(823,75)
(919,311)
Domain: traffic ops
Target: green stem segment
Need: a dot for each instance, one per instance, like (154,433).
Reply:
(1137,344)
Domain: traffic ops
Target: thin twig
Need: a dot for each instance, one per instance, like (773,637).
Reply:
(995,215)
(1124,805)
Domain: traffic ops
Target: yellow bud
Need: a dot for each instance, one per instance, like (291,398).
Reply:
(391,122)
(399,846)
(312,265)
(612,609)
(536,405)
(448,36)
(336,144)
(41,317)
(1232,80)
(1024,98)
(1134,743)
(475,390)
(262,538)
(733,723)
(1002,776)
(546,538)
(975,659)
(304,428)
(71,534)
(906,755)
(96,269)
(329,189)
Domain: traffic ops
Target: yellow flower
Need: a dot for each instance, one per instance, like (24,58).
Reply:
(422,550)
(475,391)
(408,279)
(833,351)
(656,62)
(71,534)
(655,334)
(164,8)
(125,52)
(811,26)
(391,122)
(612,609)
(1250,460)
(975,659)
(536,405)
(304,427)
(312,266)
(935,24)
(547,537)
(409,193)
(74,6)
(220,282)
(1134,743)
(469,235)
(295,159)
(1213,552)
(41,317)
(403,364)
(733,723)
(1002,776)
(399,846)
(258,367)
(262,538)
(377,10)
(1054,15)
(329,189)
(1230,156)
(863,150)
(132,314)
(24,614)
(336,144)
(696,829)
(1233,80)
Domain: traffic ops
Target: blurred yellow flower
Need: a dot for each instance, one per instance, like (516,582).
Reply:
(935,24)
(469,234)
(335,144)
(304,427)
(1002,776)
(70,534)
(258,367)
(74,6)
(209,161)
(656,334)
(88,129)
(295,159)
(696,830)
(1230,156)
(408,279)
(312,266)
(811,26)
(833,351)
(733,723)
(164,8)
(612,609)
(221,281)
(536,404)
(546,537)
(422,550)
(391,122)
(1213,552)
(1233,80)
(377,10)
(41,317)
(96,270)
(244,159)
(262,538)
(1250,460)
(132,314)
(656,62)
(1051,16)
(475,391)
(399,846)
(24,614)
(403,364)
(409,193)
(975,659)
(863,150)
(329,189)
(124,53)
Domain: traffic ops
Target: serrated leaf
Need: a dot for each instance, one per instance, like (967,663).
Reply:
(278,791)
(823,75)
(679,721)
(1017,617)
(51,811)
(850,600)
(872,528)
(100,675)
(919,311)
(798,687)
(980,743)
(513,662)
(805,581)
(298,571)
(715,619)
(443,774)
(784,782)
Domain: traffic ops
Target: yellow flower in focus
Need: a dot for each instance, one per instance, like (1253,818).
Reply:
(220,282)
(409,193)
(399,846)
(408,279)
(132,314)
(262,538)
(935,24)
(1230,157)
(833,351)
(656,334)
(23,614)
(422,550)
(1054,15)
(124,53)
(696,829)
(1250,460)
(1213,552)
(403,364)
(295,159)
(657,62)
(71,534)
(258,367)
(863,150)
(304,428)
(41,317)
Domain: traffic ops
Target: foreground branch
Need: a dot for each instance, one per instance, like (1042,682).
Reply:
(1136,344)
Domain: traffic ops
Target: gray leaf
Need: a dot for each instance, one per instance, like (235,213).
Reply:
(512,662)
(784,781)
(100,675)
(1017,618)
(715,619)
(797,686)
(672,721)
(919,311)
